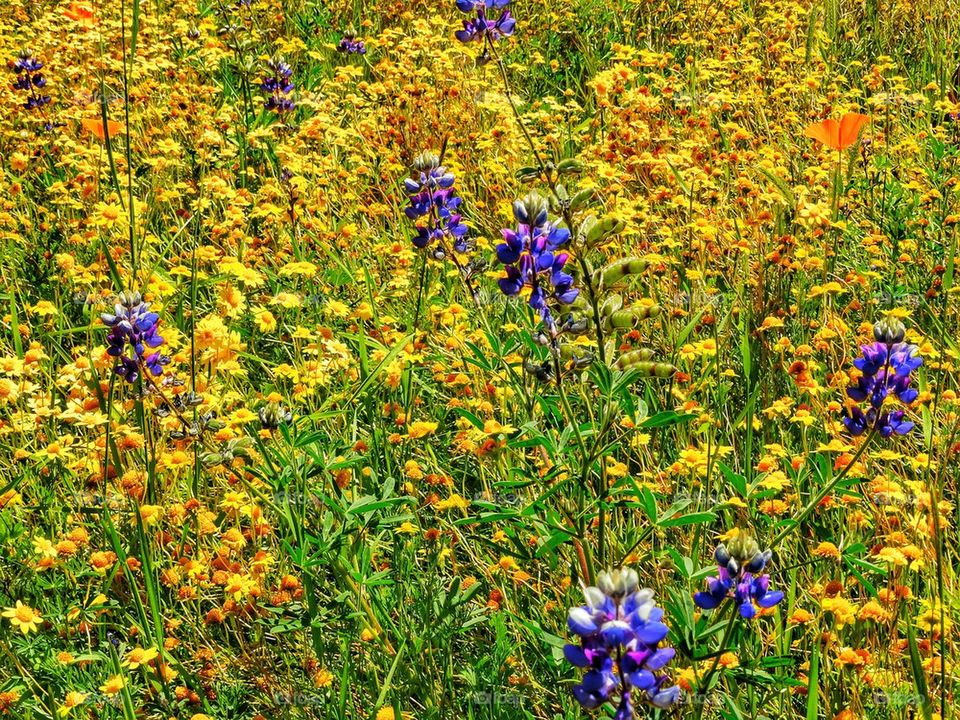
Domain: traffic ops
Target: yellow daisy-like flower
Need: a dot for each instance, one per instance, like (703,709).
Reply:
(72,700)
(113,685)
(421,429)
(322,678)
(23,617)
(239,585)
(138,656)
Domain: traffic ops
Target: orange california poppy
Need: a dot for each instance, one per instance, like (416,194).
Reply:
(838,135)
(79,12)
(95,127)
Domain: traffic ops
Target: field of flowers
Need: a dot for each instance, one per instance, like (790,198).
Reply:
(440,359)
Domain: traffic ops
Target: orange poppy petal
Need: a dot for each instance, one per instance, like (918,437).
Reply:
(827,132)
(78,12)
(850,127)
(95,127)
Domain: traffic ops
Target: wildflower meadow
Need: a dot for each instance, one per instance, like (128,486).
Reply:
(479,359)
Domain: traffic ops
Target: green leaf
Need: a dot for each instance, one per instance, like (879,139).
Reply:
(813,694)
(916,667)
(690,519)
(665,418)
(739,482)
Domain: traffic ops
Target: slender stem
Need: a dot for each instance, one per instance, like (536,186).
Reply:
(567,409)
(594,304)
(704,685)
(506,89)
(811,506)
(420,290)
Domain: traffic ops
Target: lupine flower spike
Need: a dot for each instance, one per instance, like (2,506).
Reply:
(740,564)
(480,26)
(133,324)
(30,81)
(885,368)
(435,205)
(620,629)
(349,44)
(529,256)
(279,84)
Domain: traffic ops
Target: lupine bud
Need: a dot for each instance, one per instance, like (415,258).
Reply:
(272,415)
(133,325)
(433,198)
(426,161)
(889,331)
(530,258)
(721,554)
(532,210)
(279,84)
(618,583)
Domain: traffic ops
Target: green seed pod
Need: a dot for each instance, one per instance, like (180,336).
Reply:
(581,198)
(603,229)
(611,305)
(579,303)
(632,316)
(586,227)
(569,166)
(615,272)
(211,459)
(576,325)
(646,368)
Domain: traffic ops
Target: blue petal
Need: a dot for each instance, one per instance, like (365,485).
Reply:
(770,599)
(652,633)
(575,655)
(706,600)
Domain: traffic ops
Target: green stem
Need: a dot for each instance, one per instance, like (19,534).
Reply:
(812,505)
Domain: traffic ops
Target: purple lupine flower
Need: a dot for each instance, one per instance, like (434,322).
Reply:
(279,84)
(620,630)
(481,27)
(30,81)
(132,324)
(739,578)
(469,6)
(432,197)
(530,258)
(350,44)
(885,367)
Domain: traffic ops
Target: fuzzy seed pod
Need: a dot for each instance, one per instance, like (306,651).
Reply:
(646,368)
(615,272)
(632,316)
(611,305)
